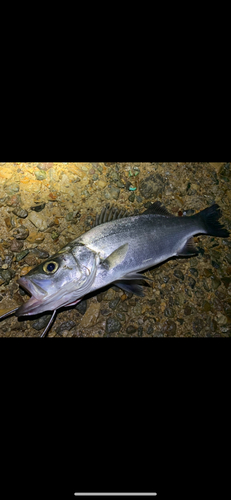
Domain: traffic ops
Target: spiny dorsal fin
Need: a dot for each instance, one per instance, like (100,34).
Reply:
(158,209)
(109,213)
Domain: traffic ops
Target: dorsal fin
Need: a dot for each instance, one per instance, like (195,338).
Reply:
(113,213)
(158,209)
(109,213)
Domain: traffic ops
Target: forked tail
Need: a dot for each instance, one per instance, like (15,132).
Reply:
(210,219)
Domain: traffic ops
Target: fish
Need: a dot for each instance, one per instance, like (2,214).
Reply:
(115,251)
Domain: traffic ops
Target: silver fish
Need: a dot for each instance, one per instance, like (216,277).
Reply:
(115,251)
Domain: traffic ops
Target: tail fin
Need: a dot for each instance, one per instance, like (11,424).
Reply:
(209,217)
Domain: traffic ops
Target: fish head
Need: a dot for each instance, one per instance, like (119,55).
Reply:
(58,281)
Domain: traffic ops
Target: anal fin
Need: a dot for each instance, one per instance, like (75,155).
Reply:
(188,249)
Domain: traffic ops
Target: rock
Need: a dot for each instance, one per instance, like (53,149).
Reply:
(112,193)
(45,166)
(113,304)
(152,186)
(225,172)
(191,282)
(38,221)
(40,253)
(20,212)
(35,237)
(40,175)
(113,325)
(6,275)
(169,312)
(193,271)
(21,233)
(140,331)
(215,282)
(16,245)
(179,274)
(38,208)
(91,315)
(21,255)
(150,330)
(121,316)
(82,307)
(131,329)
(132,197)
(67,325)
(169,327)
(198,325)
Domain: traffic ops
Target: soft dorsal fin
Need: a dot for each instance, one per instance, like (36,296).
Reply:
(158,209)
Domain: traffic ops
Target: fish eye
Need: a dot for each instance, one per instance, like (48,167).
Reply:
(50,267)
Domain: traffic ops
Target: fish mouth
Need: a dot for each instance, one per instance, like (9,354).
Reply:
(37,297)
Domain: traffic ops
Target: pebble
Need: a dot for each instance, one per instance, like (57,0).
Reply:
(40,253)
(121,316)
(40,175)
(113,304)
(193,271)
(169,312)
(131,329)
(198,325)
(131,198)
(206,306)
(152,186)
(169,327)
(21,233)
(179,274)
(38,208)
(150,330)
(16,245)
(41,322)
(82,307)
(113,193)
(113,325)
(38,221)
(91,315)
(191,282)
(215,282)
(67,325)
(21,255)
(140,331)
(20,212)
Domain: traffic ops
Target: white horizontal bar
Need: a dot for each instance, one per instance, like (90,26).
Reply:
(115,494)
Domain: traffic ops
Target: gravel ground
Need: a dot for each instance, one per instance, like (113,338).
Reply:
(43,206)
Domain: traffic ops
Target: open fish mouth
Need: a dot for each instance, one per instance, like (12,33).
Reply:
(36,299)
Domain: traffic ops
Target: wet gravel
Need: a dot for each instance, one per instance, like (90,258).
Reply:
(43,206)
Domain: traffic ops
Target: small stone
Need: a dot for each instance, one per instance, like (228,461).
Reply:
(21,255)
(131,198)
(16,245)
(215,282)
(67,325)
(206,306)
(113,325)
(35,237)
(140,331)
(198,325)
(41,322)
(137,310)
(21,233)
(20,212)
(40,176)
(121,316)
(152,186)
(40,253)
(193,271)
(112,193)
(82,307)
(179,274)
(38,208)
(131,329)
(150,330)
(169,312)
(91,315)
(191,282)
(113,304)
(169,327)
(38,221)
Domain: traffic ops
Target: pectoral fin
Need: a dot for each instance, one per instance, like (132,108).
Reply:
(116,257)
